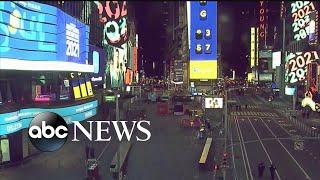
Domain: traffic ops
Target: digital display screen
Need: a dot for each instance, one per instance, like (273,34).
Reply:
(213,103)
(202,21)
(113,14)
(296,65)
(97,57)
(48,38)
(276,59)
(300,18)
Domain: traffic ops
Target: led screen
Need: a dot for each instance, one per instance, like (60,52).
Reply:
(202,20)
(115,67)
(289,91)
(213,102)
(113,14)
(296,65)
(276,59)
(48,38)
(300,18)
(97,59)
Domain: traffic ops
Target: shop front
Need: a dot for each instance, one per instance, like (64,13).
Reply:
(43,67)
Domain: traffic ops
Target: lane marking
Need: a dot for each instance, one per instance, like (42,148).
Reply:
(264,148)
(241,148)
(304,172)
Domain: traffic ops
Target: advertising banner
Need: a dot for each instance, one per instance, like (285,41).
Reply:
(296,65)
(265,77)
(213,103)
(113,15)
(300,19)
(135,59)
(36,36)
(97,58)
(252,47)
(276,59)
(202,20)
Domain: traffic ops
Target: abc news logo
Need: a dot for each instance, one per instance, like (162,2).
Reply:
(48,131)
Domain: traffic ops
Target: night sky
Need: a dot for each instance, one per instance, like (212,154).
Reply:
(235,45)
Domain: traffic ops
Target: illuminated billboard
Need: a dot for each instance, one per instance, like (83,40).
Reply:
(213,103)
(276,59)
(300,14)
(252,47)
(113,14)
(97,59)
(313,28)
(262,23)
(36,36)
(202,21)
(296,65)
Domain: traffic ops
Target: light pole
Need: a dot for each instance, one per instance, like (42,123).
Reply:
(117,119)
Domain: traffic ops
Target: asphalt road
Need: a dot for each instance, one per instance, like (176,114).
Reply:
(260,134)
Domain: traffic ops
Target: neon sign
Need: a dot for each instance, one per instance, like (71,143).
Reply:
(113,14)
(300,11)
(262,15)
(296,66)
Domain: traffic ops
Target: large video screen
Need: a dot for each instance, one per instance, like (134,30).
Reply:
(36,36)
(214,103)
(300,12)
(296,65)
(202,21)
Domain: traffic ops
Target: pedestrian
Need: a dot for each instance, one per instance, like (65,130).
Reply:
(272,171)
(246,106)
(261,168)
(87,149)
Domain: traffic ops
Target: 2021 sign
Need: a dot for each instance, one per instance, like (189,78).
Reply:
(300,11)
(296,66)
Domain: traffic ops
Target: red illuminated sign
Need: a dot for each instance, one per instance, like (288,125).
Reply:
(262,24)
(135,59)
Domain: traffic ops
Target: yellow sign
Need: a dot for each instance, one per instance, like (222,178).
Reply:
(89,88)
(250,77)
(252,47)
(203,69)
(257,49)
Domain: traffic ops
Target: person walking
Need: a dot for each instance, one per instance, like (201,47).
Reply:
(272,171)
(261,168)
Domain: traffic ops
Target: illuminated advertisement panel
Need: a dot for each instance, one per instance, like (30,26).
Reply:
(313,28)
(252,47)
(36,36)
(276,59)
(135,59)
(296,65)
(300,12)
(113,14)
(262,23)
(202,20)
(97,59)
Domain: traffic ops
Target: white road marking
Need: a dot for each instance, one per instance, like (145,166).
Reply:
(264,148)
(245,150)
(304,172)
(241,148)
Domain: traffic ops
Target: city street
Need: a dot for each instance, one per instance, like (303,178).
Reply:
(260,134)
(170,147)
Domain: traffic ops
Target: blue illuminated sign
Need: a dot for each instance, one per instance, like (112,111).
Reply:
(15,121)
(37,32)
(203,30)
